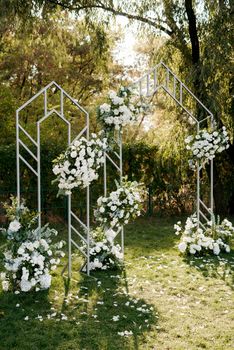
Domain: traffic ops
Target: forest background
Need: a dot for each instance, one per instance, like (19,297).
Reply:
(76,44)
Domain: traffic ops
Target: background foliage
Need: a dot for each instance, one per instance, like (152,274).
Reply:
(71,42)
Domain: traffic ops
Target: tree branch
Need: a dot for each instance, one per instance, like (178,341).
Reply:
(116,12)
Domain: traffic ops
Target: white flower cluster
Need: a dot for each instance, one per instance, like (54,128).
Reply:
(125,333)
(104,254)
(121,205)
(30,255)
(195,240)
(206,144)
(120,110)
(79,164)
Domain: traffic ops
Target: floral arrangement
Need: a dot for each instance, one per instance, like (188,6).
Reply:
(104,254)
(206,144)
(214,239)
(30,254)
(120,110)
(121,205)
(79,164)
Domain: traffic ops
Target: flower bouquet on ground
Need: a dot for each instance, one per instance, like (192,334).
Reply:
(79,164)
(214,239)
(104,254)
(120,206)
(30,254)
(205,145)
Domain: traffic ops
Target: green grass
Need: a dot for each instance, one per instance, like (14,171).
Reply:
(188,303)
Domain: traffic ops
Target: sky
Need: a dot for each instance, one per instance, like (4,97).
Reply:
(124,51)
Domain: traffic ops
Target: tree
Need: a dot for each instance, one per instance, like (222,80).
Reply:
(192,28)
(58,48)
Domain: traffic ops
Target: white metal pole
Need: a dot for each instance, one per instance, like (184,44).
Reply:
(105,178)
(69,204)
(212,181)
(39,175)
(17,157)
(198,187)
(121,176)
(69,237)
(88,211)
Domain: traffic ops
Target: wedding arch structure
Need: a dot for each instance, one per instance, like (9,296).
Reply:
(160,77)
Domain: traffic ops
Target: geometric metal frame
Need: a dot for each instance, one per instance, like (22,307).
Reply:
(37,172)
(147,86)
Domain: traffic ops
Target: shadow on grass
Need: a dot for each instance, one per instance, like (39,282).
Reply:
(90,315)
(220,267)
(152,234)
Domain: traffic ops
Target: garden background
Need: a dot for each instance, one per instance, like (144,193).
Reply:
(167,301)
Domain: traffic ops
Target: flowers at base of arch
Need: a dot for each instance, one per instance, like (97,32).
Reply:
(205,145)
(122,109)
(78,165)
(104,253)
(30,254)
(120,206)
(197,241)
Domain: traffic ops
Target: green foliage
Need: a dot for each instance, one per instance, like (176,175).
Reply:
(59,48)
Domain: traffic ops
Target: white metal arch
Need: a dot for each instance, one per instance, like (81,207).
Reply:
(161,77)
(37,170)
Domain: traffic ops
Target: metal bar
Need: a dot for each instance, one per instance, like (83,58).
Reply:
(78,233)
(174,87)
(45,102)
(189,91)
(39,174)
(203,204)
(212,180)
(113,162)
(201,121)
(69,237)
(203,215)
(61,103)
(181,93)
(49,114)
(27,134)
(177,101)
(198,187)
(202,225)
(121,179)
(105,177)
(35,96)
(88,210)
(167,79)
(117,155)
(76,245)
(17,158)
(28,165)
(27,149)
(80,222)
(148,84)
(81,133)
(70,98)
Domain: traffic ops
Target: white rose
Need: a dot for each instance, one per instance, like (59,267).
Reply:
(14,226)
(102,209)
(5,286)
(182,247)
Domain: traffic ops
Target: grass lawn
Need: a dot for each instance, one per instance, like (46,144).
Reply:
(167,302)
